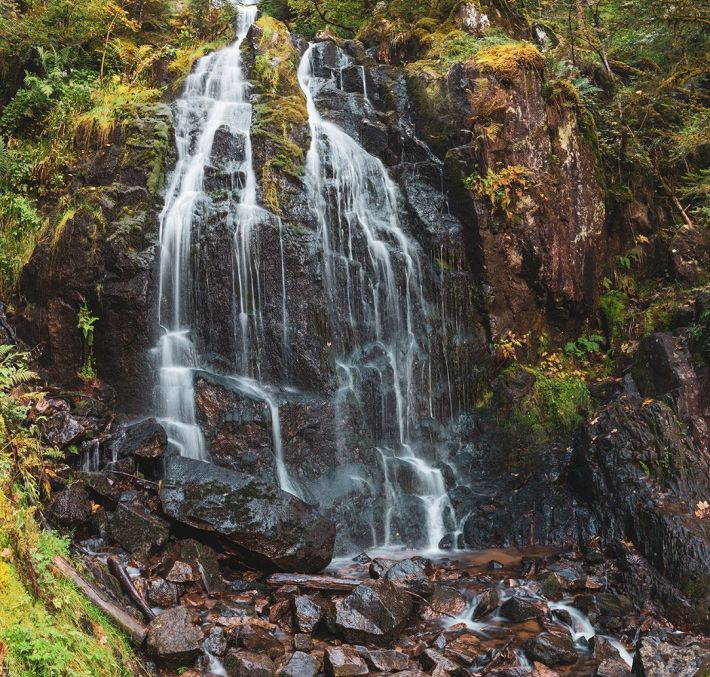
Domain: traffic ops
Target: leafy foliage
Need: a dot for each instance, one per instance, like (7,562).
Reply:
(47,627)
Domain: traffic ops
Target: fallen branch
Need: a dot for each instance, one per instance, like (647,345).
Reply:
(119,571)
(132,627)
(313,582)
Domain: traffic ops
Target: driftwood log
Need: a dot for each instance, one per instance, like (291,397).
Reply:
(313,582)
(132,627)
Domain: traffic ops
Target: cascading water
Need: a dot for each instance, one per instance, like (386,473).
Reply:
(216,97)
(378,316)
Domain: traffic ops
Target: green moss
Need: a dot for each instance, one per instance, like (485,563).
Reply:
(555,404)
(280,114)
(507,60)
(612,305)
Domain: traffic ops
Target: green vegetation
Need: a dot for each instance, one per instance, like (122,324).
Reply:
(280,115)
(502,187)
(47,627)
(557,402)
(72,73)
(86,323)
(700,337)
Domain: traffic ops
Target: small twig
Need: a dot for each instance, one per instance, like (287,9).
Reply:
(119,571)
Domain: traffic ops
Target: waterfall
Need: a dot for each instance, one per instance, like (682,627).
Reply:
(378,315)
(215,97)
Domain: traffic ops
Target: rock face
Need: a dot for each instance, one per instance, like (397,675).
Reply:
(265,524)
(103,255)
(643,476)
(375,612)
(539,250)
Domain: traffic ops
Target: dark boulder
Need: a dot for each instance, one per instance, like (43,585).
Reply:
(433,660)
(613,667)
(374,612)
(71,507)
(161,593)
(137,529)
(444,601)
(145,440)
(552,649)
(385,660)
(268,526)
(519,609)
(173,637)
(202,559)
(642,475)
(413,574)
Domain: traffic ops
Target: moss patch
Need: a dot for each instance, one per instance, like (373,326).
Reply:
(280,111)
(506,61)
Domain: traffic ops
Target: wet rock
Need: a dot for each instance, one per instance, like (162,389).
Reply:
(344,661)
(362,558)
(658,658)
(540,670)
(487,601)
(260,641)
(173,637)
(433,660)
(379,566)
(215,642)
(136,529)
(603,649)
(375,612)
(248,664)
(612,609)
(300,665)
(182,572)
(302,642)
(202,559)
(60,429)
(307,613)
(161,593)
(385,660)
(270,527)
(71,507)
(613,667)
(102,487)
(629,438)
(412,573)
(464,649)
(494,565)
(444,601)
(552,649)
(145,440)
(519,609)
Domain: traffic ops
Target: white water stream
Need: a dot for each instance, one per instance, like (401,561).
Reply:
(216,95)
(372,278)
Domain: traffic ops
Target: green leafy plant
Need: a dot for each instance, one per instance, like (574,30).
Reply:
(86,323)
(584,346)
(699,336)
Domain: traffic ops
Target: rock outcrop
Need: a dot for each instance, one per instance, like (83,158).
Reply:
(267,526)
